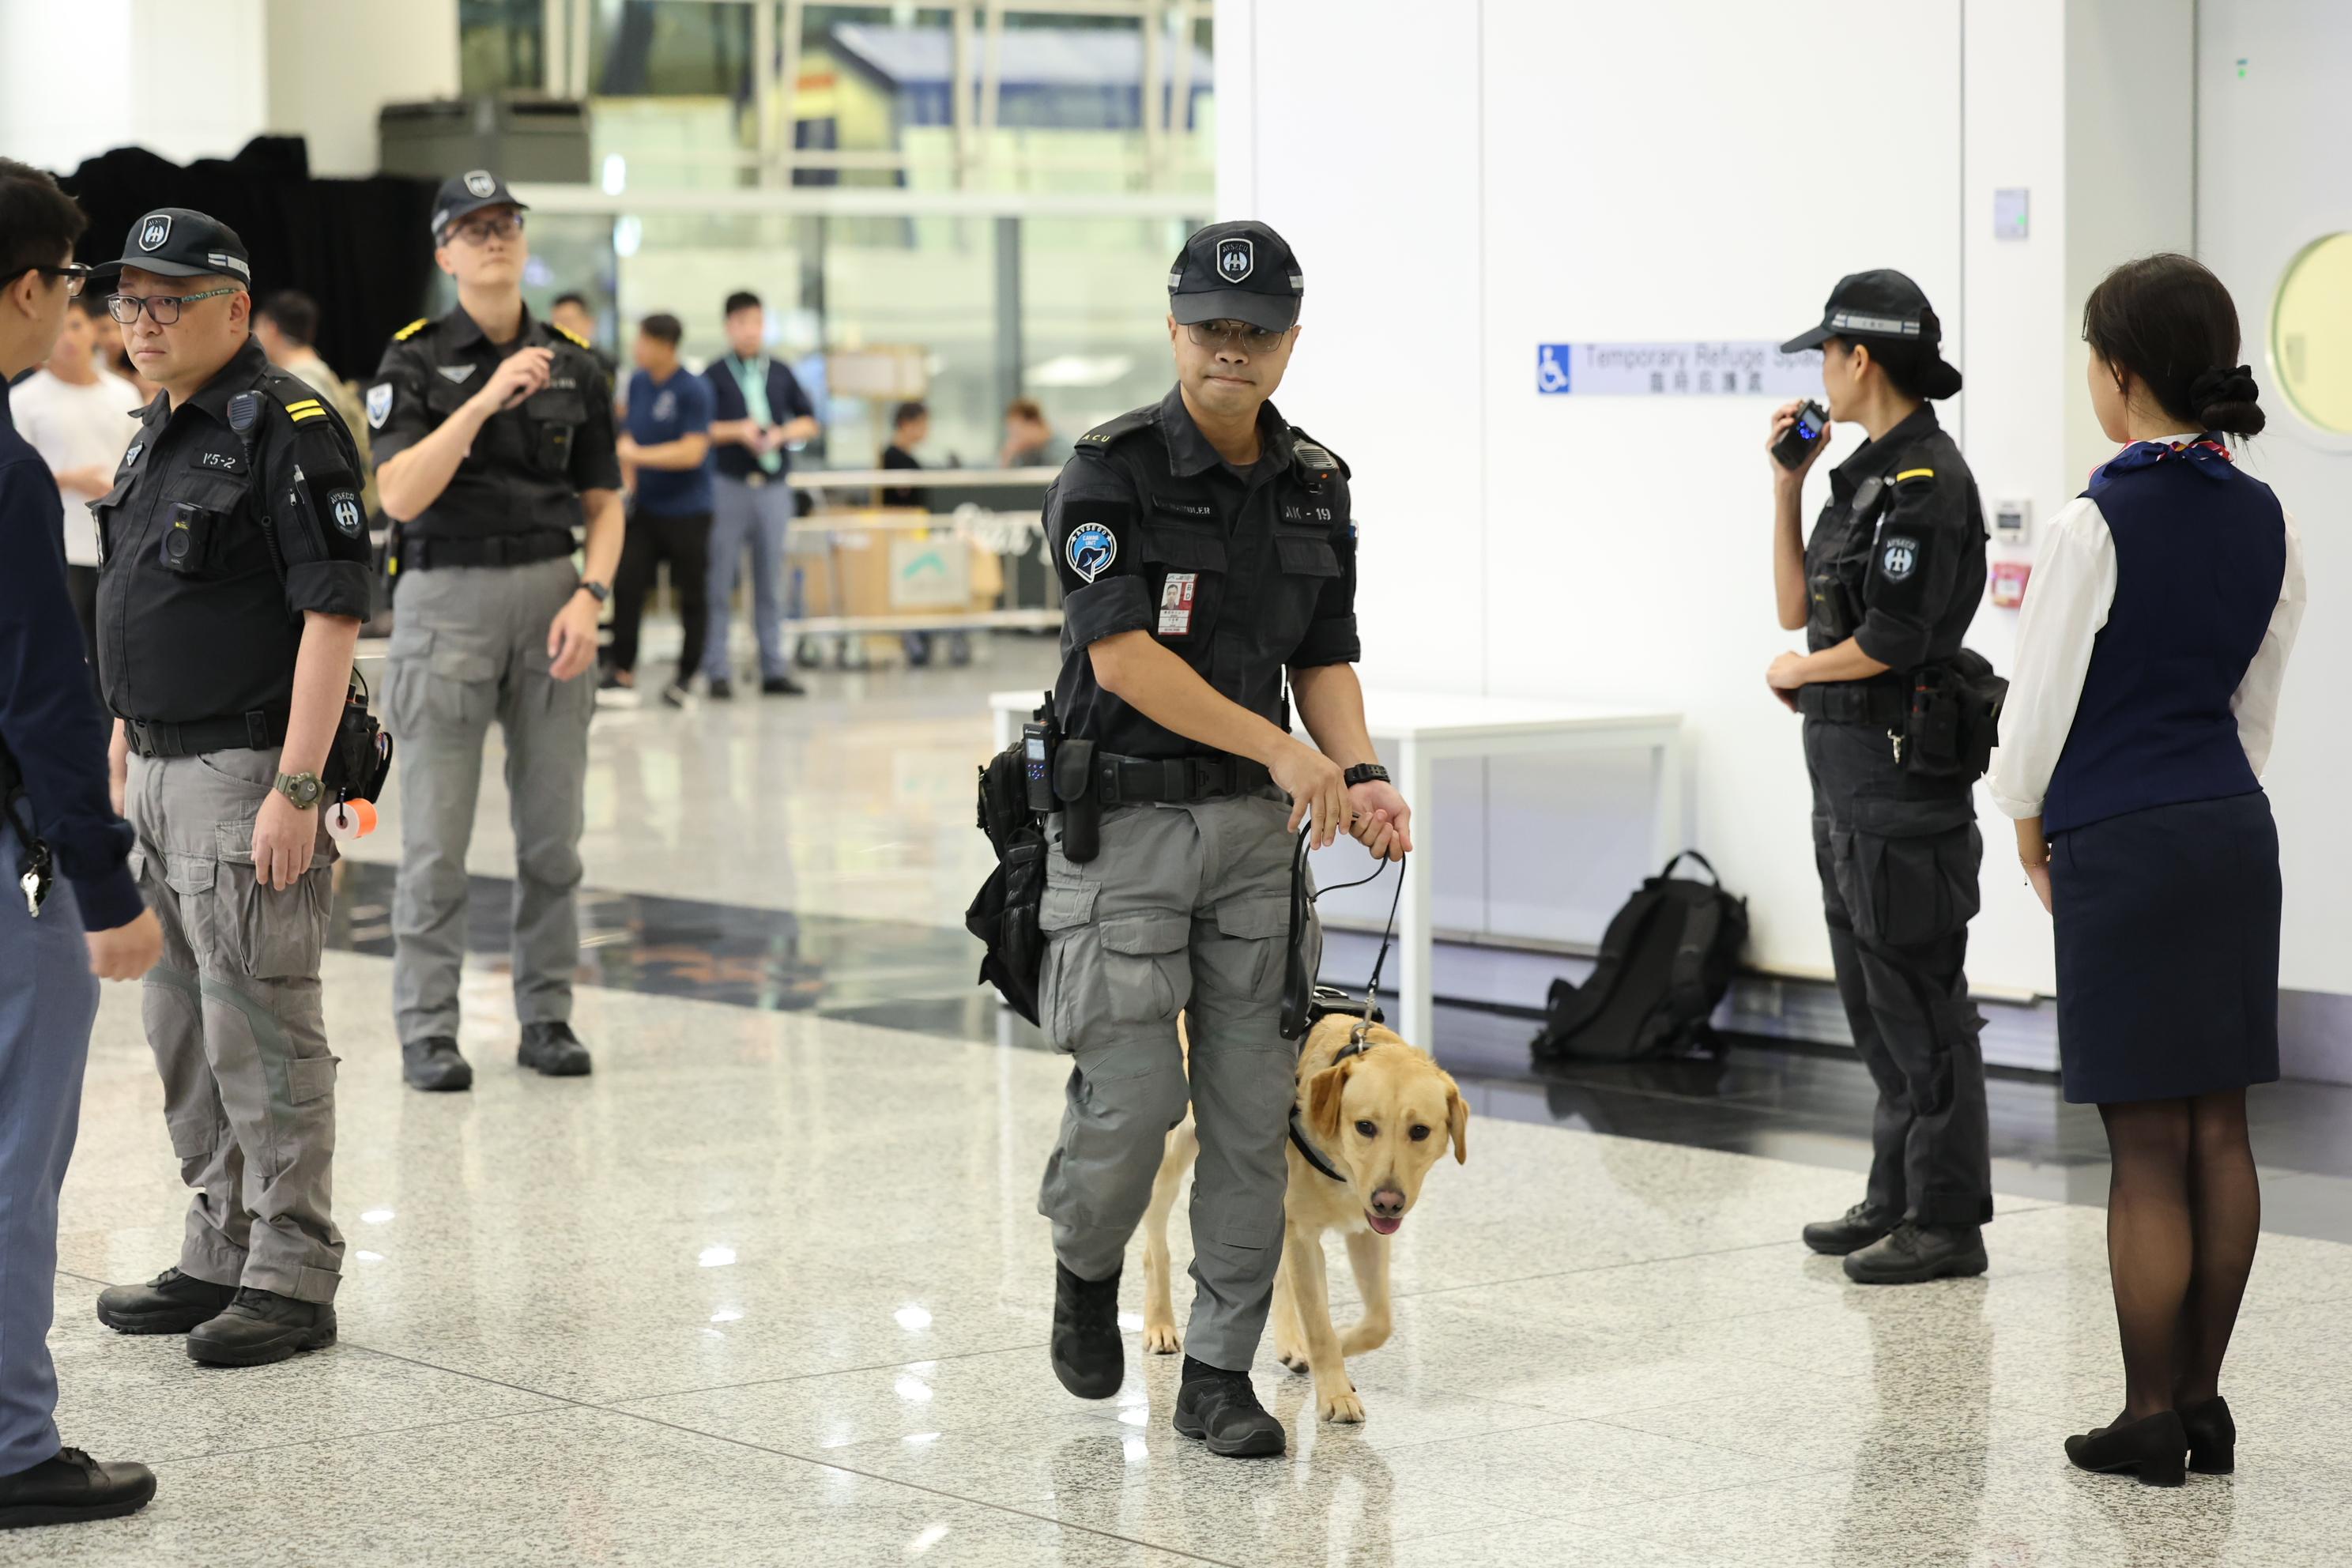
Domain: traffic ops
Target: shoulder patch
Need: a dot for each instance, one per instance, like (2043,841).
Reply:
(1909,474)
(411,329)
(1112,430)
(567,335)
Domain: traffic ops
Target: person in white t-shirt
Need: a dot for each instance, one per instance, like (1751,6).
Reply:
(81,418)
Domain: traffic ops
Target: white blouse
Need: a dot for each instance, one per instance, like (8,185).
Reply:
(2066,603)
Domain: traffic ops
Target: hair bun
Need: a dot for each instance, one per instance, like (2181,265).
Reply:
(2223,387)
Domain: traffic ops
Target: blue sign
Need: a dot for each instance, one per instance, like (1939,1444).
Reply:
(1716,369)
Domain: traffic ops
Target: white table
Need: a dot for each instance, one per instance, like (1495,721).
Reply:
(1419,730)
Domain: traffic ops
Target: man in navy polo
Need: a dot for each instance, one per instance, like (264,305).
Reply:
(665,452)
(759,411)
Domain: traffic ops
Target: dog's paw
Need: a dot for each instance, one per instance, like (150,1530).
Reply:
(1363,1338)
(1291,1357)
(1162,1339)
(1346,1409)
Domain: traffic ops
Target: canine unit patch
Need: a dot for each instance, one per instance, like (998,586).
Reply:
(349,518)
(1090,549)
(1899,559)
(379,404)
(1176,604)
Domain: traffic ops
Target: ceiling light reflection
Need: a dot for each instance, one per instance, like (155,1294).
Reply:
(912,1319)
(716,1256)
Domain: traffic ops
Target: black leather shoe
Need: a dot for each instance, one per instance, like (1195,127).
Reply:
(432,1064)
(719,689)
(261,1327)
(553,1050)
(171,1303)
(1855,1229)
(2212,1436)
(72,1488)
(2151,1447)
(781,686)
(1915,1254)
(1222,1408)
(1088,1356)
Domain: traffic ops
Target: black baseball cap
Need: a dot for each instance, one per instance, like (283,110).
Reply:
(176,242)
(1236,272)
(1883,306)
(470,192)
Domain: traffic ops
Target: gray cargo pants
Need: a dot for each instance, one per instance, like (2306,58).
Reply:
(233,1017)
(469,645)
(1186,908)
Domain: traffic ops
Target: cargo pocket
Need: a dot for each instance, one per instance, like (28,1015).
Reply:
(1904,889)
(1123,968)
(277,934)
(1261,920)
(311,1077)
(429,680)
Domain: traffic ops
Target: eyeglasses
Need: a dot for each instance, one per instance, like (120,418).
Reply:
(75,273)
(1234,335)
(165,309)
(482,230)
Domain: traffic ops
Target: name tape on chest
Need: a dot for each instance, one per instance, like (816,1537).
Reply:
(218,461)
(1176,597)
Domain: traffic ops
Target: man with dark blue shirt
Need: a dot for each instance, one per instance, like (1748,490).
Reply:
(74,913)
(666,454)
(759,411)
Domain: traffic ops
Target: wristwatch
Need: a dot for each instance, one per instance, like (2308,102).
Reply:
(600,592)
(302,789)
(1365,773)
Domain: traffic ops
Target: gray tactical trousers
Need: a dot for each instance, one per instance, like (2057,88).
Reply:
(1186,908)
(233,1017)
(469,645)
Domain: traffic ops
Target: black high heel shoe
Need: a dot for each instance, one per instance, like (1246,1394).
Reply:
(2153,1448)
(2212,1436)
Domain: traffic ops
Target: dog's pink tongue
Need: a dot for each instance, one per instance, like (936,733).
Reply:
(1383,1226)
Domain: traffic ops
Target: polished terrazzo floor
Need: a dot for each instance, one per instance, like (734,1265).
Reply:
(770,1286)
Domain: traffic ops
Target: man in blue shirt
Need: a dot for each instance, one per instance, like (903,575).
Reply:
(71,913)
(759,411)
(666,457)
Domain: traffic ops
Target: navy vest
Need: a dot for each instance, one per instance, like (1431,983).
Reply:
(2200,553)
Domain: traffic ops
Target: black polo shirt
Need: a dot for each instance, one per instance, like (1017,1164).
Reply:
(212,551)
(530,463)
(1904,526)
(1240,572)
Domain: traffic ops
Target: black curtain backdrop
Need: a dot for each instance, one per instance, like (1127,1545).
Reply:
(362,249)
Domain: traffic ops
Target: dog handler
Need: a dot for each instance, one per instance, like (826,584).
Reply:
(1205,546)
(1884,591)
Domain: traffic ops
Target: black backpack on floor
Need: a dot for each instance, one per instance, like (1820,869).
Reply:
(1665,964)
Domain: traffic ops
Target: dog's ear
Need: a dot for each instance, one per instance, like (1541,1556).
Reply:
(1458,1121)
(1323,1095)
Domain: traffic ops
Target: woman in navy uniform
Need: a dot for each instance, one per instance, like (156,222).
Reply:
(1885,587)
(2149,659)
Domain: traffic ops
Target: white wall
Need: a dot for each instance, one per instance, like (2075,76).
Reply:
(78,78)
(1548,170)
(332,66)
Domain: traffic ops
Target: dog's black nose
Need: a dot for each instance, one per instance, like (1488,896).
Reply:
(1388,1203)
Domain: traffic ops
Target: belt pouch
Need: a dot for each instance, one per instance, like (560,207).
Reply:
(1075,787)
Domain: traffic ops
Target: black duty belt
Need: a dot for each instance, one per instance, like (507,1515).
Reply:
(423,554)
(1879,701)
(254,731)
(1176,781)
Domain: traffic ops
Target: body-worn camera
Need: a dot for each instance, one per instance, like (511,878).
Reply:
(1812,427)
(190,538)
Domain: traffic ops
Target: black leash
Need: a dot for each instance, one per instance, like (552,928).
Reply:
(1356,1042)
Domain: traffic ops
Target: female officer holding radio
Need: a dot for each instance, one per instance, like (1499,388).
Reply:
(1884,589)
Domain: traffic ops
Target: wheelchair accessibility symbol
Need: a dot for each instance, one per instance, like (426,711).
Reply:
(1551,368)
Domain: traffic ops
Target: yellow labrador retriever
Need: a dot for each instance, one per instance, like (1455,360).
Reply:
(1376,1113)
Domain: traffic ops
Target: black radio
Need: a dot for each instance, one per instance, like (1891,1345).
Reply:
(1037,739)
(1810,429)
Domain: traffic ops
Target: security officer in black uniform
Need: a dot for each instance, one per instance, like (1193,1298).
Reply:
(1885,589)
(235,577)
(493,444)
(1204,545)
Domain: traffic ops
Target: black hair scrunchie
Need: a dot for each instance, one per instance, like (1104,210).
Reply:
(2222,384)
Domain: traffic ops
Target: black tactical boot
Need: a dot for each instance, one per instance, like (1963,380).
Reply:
(1087,1355)
(553,1051)
(433,1064)
(1913,1254)
(71,1488)
(261,1327)
(171,1303)
(1223,1409)
(1855,1229)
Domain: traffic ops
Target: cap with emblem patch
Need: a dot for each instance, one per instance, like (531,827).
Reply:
(1236,272)
(1883,306)
(462,194)
(177,242)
